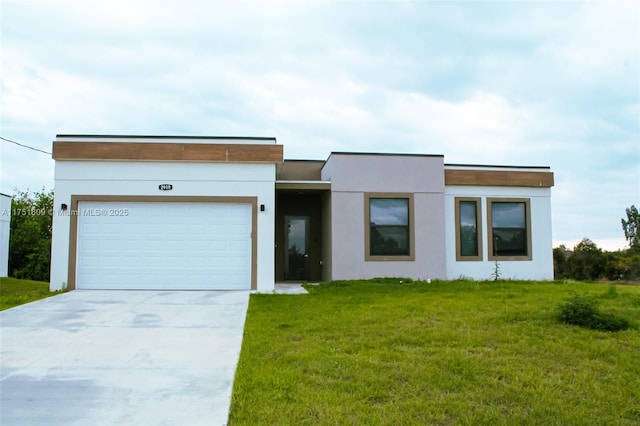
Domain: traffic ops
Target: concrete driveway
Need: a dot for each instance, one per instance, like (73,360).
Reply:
(121,357)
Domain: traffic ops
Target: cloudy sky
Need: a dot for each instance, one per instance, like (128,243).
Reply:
(512,83)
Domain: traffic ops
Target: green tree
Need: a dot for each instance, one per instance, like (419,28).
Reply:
(560,258)
(587,261)
(30,238)
(631,228)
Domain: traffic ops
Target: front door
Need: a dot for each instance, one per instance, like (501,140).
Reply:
(296,258)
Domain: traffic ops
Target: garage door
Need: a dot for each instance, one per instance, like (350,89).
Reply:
(158,245)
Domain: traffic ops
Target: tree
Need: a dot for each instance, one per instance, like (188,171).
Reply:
(560,259)
(631,228)
(30,238)
(587,261)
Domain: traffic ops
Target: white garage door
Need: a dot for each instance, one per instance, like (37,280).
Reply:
(158,245)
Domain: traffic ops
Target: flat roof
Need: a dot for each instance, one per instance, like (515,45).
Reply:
(257,138)
(390,154)
(493,166)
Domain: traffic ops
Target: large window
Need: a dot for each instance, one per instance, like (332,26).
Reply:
(509,228)
(468,229)
(389,227)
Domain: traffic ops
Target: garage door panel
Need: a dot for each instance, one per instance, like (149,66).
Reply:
(164,246)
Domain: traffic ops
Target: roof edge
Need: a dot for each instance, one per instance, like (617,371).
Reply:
(496,166)
(261,138)
(390,154)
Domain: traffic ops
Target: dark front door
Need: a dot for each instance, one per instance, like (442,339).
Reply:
(296,258)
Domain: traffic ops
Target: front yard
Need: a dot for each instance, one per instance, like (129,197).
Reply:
(14,292)
(367,352)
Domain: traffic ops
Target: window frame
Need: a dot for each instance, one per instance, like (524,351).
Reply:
(367,226)
(527,212)
(478,202)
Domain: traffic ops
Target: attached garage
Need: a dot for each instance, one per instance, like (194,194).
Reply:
(164,212)
(158,245)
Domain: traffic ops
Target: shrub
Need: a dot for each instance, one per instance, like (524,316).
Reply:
(583,311)
(579,310)
(608,322)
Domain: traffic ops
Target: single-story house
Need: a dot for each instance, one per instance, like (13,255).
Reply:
(174,212)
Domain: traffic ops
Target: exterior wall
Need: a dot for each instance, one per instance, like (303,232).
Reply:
(540,267)
(5,227)
(326,237)
(353,175)
(143,178)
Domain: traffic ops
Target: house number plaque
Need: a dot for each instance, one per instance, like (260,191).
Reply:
(165,187)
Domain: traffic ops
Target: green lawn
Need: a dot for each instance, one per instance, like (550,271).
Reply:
(14,292)
(356,353)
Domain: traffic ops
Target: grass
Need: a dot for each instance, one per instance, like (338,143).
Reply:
(14,292)
(384,353)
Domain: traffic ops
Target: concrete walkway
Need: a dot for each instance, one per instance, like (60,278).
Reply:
(290,288)
(121,358)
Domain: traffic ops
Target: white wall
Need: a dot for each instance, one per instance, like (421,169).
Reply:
(5,223)
(540,267)
(143,178)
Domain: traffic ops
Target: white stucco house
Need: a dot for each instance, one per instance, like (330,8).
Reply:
(5,228)
(173,212)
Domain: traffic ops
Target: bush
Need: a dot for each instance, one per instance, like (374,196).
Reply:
(579,310)
(609,322)
(583,311)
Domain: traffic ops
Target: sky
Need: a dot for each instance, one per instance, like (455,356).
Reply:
(544,83)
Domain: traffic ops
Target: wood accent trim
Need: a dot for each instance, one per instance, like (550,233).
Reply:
(140,151)
(498,178)
(478,202)
(73,231)
(367,227)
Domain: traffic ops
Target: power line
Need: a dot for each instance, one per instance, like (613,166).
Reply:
(25,146)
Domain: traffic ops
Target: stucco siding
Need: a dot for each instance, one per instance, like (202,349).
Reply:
(143,179)
(384,173)
(540,267)
(327,238)
(354,175)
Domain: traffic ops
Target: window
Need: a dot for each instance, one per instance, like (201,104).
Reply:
(468,229)
(389,227)
(509,228)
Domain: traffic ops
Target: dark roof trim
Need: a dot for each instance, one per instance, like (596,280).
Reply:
(497,166)
(304,161)
(253,138)
(6,195)
(386,154)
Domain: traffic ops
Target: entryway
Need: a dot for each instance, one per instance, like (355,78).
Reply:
(301,243)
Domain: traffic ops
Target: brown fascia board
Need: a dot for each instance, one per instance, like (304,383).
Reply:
(520,178)
(147,151)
